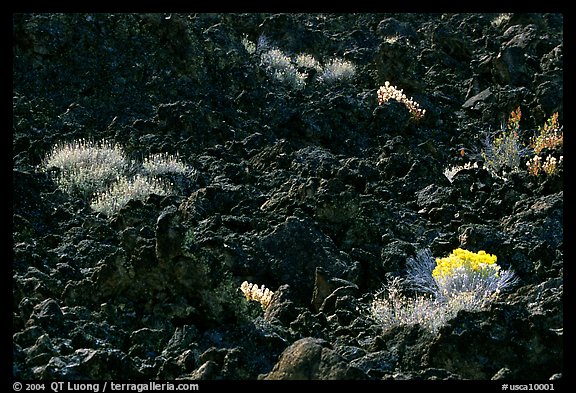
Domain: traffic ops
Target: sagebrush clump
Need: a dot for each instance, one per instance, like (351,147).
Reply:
(101,173)
(85,166)
(297,71)
(125,189)
(308,61)
(280,66)
(337,69)
(163,163)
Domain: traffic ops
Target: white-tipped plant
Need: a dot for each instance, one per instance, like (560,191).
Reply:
(296,71)
(250,46)
(308,61)
(452,171)
(388,92)
(392,308)
(261,295)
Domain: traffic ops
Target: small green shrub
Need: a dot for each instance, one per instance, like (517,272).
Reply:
(503,152)
(462,281)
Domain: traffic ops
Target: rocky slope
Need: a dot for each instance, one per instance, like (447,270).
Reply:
(315,191)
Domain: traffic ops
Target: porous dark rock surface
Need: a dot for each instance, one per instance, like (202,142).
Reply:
(316,192)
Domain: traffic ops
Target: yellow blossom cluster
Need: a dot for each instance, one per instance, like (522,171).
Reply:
(262,295)
(388,91)
(471,262)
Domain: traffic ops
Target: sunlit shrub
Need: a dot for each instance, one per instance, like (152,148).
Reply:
(337,69)
(503,153)
(464,280)
(466,271)
(549,167)
(308,61)
(100,173)
(550,136)
(280,66)
(392,308)
(85,166)
(298,70)
(162,163)
(126,189)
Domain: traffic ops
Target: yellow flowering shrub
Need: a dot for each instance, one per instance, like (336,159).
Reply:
(466,261)
(464,280)
(474,272)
